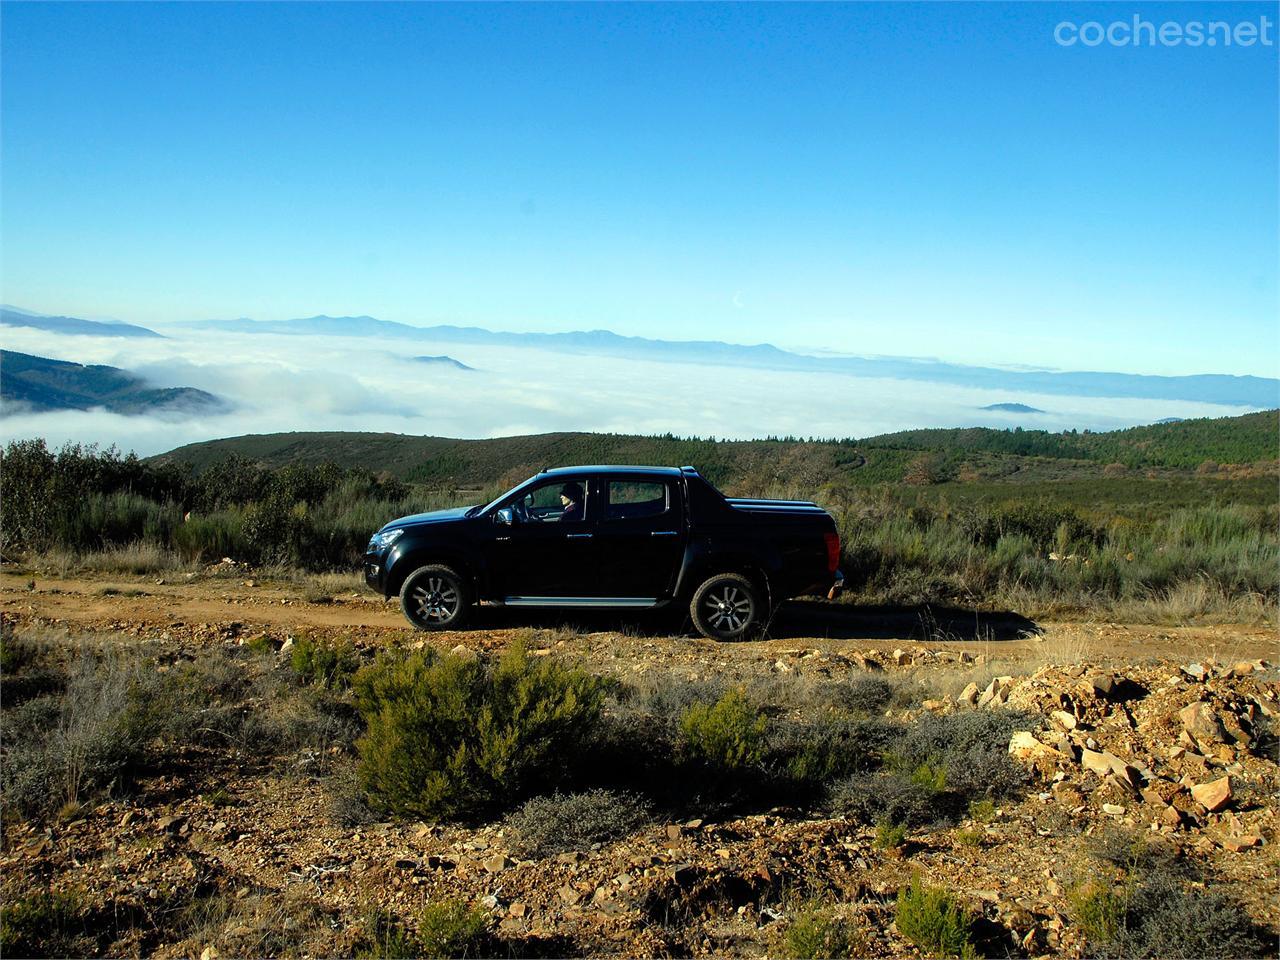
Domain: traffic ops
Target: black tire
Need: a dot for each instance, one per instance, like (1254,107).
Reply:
(435,597)
(726,606)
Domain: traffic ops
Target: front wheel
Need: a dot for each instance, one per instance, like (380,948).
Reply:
(726,607)
(435,597)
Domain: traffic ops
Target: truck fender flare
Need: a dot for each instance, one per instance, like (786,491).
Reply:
(413,558)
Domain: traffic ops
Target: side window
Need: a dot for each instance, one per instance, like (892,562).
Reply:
(631,499)
(556,502)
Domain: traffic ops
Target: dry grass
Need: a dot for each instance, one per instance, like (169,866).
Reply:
(138,559)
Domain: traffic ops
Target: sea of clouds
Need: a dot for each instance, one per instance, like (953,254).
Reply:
(278,383)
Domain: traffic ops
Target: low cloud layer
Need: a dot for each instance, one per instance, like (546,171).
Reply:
(285,383)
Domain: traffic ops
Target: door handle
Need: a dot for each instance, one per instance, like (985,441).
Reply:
(577,536)
(664,533)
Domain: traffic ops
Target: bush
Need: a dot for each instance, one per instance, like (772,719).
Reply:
(815,935)
(865,694)
(451,928)
(1166,919)
(554,824)
(931,919)
(889,836)
(970,749)
(1097,910)
(826,749)
(892,797)
(1162,917)
(113,707)
(728,734)
(44,924)
(329,664)
(449,736)
(387,939)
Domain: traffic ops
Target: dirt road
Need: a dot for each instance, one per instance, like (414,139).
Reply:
(218,608)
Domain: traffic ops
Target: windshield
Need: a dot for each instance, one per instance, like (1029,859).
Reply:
(490,506)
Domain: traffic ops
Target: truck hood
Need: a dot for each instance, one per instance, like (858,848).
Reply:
(434,516)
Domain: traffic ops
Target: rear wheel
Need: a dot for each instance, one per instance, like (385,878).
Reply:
(726,607)
(435,597)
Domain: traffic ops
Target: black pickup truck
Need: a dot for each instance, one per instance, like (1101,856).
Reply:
(609,536)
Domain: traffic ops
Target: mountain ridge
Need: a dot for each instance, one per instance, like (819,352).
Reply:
(1222,389)
(13,317)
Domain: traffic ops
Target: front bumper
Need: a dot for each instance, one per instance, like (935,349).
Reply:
(375,574)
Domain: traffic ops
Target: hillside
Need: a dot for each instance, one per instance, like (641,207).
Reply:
(1180,444)
(42,385)
(1018,455)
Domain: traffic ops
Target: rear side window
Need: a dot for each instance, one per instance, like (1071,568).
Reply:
(629,499)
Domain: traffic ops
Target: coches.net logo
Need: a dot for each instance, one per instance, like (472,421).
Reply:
(1140,32)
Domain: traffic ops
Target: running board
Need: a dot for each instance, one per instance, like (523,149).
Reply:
(634,602)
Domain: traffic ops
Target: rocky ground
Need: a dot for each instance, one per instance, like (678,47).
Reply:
(1162,732)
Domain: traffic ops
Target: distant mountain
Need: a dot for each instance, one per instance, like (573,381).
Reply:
(1012,408)
(1256,392)
(42,385)
(444,362)
(13,317)
(1171,420)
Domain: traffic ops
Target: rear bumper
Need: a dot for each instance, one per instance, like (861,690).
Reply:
(837,586)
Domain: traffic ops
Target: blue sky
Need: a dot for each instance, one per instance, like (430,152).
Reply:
(917,179)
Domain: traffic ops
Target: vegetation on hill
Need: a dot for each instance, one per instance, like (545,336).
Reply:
(42,384)
(1040,538)
(918,456)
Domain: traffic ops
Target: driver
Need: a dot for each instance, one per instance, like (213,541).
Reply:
(571,502)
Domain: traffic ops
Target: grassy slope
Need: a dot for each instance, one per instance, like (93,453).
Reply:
(978,454)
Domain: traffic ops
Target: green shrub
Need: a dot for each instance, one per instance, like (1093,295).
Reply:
(553,824)
(931,919)
(729,734)
(889,836)
(449,736)
(930,776)
(984,811)
(815,935)
(220,797)
(260,644)
(1097,910)
(329,663)
(44,924)
(451,928)
(387,939)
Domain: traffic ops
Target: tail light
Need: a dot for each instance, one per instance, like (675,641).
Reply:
(833,551)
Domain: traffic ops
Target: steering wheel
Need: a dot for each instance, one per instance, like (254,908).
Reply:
(520,508)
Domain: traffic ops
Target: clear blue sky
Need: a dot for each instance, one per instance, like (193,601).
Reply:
(939,180)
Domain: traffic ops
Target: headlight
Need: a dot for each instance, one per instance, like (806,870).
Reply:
(385,538)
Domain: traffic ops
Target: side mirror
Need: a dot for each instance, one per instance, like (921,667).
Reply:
(504,517)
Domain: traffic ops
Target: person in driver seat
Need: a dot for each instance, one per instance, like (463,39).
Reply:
(571,501)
